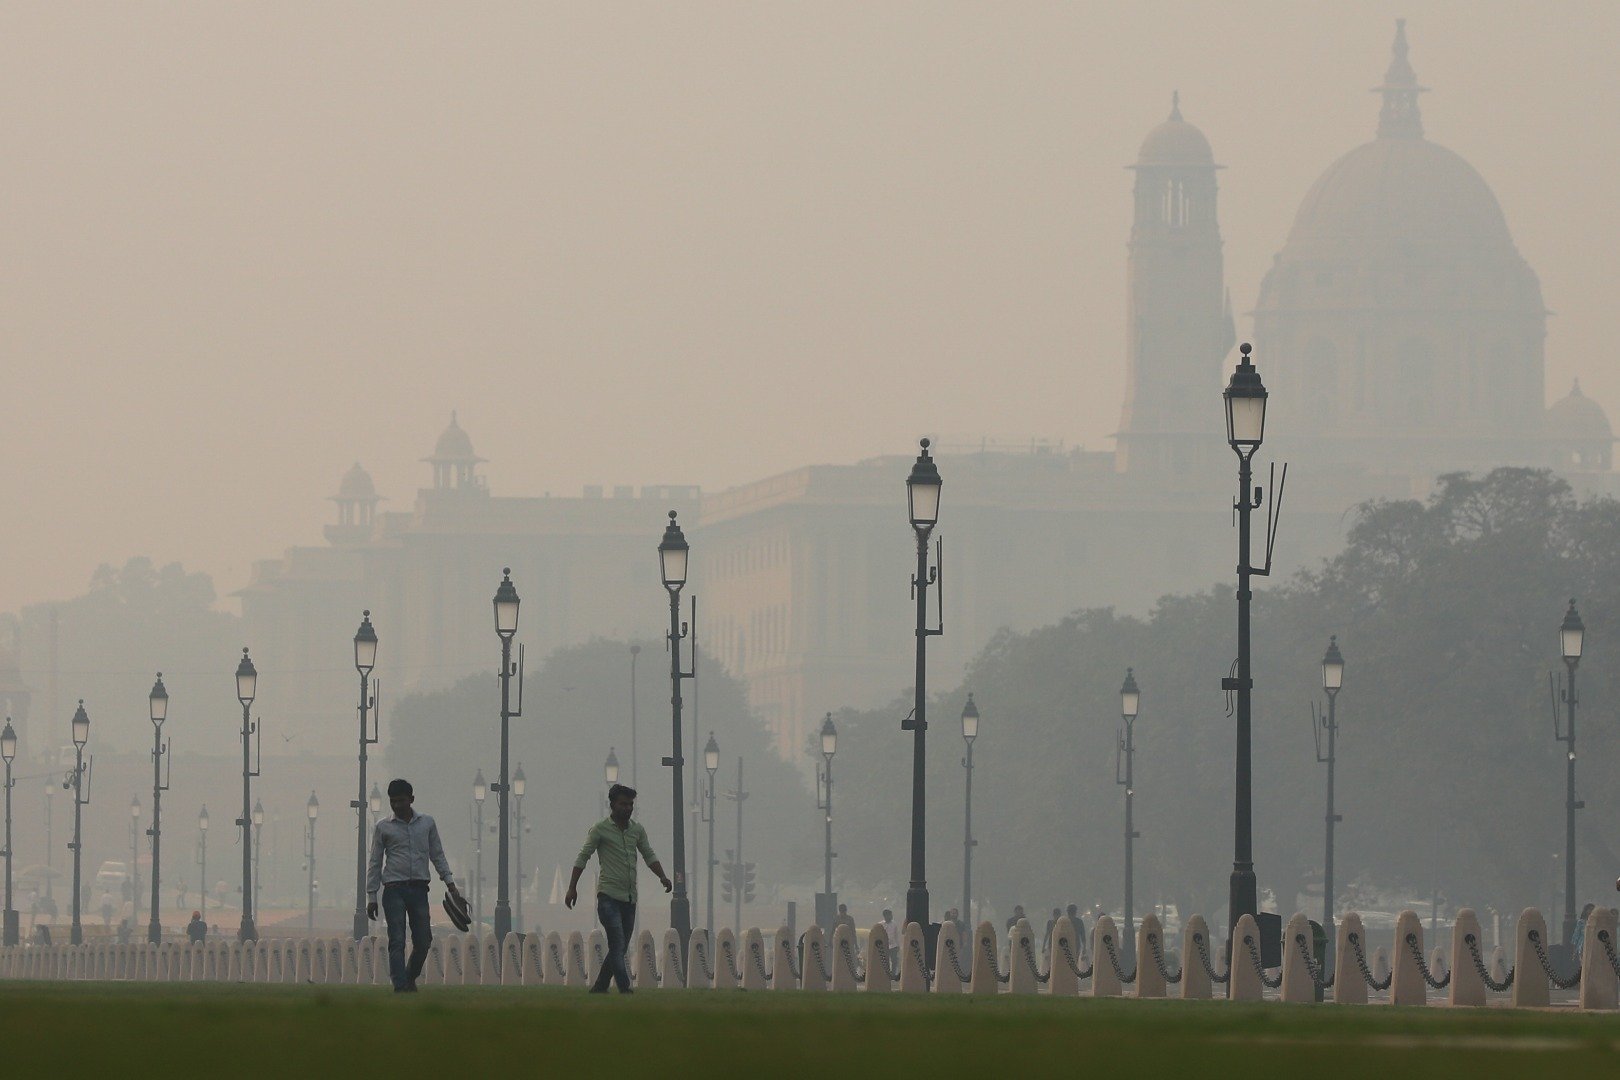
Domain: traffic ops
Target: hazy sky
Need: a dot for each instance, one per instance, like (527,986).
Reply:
(248,244)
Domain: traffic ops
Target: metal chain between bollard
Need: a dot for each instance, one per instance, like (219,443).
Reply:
(1311,965)
(756,951)
(1361,962)
(922,962)
(883,958)
(821,964)
(956,961)
(1259,969)
(1029,955)
(1546,965)
(989,946)
(1157,948)
(1422,965)
(703,964)
(1113,961)
(1472,944)
(848,953)
(1201,947)
(1068,958)
(788,952)
(675,962)
(1608,950)
(555,950)
(650,955)
(730,959)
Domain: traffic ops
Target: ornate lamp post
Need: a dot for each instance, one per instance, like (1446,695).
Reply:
(8,753)
(1130,698)
(81,799)
(365,658)
(922,497)
(202,859)
(158,709)
(827,902)
(1571,639)
(134,860)
(258,852)
(480,793)
(520,784)
(711,762)
(247,684)
(50,844)
(1332,680)
(610,773)
(1245,397)
(506,622)
(313,808)
(672,561)
(970,731)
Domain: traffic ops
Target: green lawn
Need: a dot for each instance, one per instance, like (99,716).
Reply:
(467,1032)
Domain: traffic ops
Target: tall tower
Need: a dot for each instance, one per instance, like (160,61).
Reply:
(1179,317)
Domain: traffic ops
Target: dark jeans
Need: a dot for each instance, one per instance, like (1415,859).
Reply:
(399,902)
(618,921)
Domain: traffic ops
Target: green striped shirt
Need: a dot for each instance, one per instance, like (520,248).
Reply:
(615,851)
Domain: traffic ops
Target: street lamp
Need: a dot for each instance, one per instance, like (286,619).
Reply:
(247,683)
(81,799)
(202,857)
(1245,397)
(1571,639)
(312,808)
(1130,700)
(157,708)
(480,793)
(711,762)
(258,852)
(827,902)
(506,623)
(134,860)
(922,501)
(520,784)
(375,802)
(365,658)
(1332,680)
(8,753)
(610,773)
(673,555)
(970,731)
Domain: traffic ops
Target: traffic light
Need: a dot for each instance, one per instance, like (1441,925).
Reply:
(728,877)
(748,882)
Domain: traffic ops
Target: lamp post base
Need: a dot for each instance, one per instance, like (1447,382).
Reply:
(360,921)
(917,905)
(11,927)
(1244,898)
(680,917)
(503,919)
(247,931)
(154,932)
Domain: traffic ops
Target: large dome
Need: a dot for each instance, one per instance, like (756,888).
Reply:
(1175,142)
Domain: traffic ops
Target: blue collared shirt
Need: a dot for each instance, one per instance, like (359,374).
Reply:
(413,851)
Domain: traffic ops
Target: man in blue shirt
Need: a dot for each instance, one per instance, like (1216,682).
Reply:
(410,841)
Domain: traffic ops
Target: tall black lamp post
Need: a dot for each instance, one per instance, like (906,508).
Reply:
(520,784)
(313,809)
(1571,639)
(81,799)
(1245,397)
(672,561)
(1130,699)
(506,622)
(970,731)
(365,658)
(711,762)
(8,753)
(827,902)
(1332,680)
(247,686)
(158,709)
(922,498)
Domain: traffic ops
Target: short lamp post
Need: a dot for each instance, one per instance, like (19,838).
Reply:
(480,793)
(158,710)
(827,902)
(1332,681)
(247,685)
(673,558)
(134,860)
(365,659)
(313,809)
(610,773)
(711,762)
(970,731)
(258,853)
(520,784)
(8,753)
(374,801)
(80,784)
(202,859)
(922,499)
(1130,700)
(506,623)
(1571,640)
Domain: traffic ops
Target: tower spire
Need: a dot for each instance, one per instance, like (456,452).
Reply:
(1400,117)
(1175,104)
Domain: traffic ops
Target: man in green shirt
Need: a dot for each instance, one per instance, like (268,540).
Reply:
(615,842)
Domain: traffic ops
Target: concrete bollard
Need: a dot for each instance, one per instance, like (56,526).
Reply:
(1466,988)
(511,966)
(947,962)
(1150,981)
(675,973)
(348,962)
(727,958)
(1105,980)
(913,979)
(472,958)
(1023,974)
(1297,984)
(303,962)
(489,960)
(700,969)
(1196,984)
(1245,984)
(817,972)
(432,967)
(841,955)
(532,960)
(784,961)
(983,975)
(1063,981)
(596,954)
(1349,986)
(234,957)
(554,961)
(1406,986)
(754,975)
(1599,988)
(1530,987)
(644,962)
(289,961)
(878,961)
(577,973)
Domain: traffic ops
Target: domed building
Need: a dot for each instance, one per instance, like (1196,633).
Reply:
(1399,329)
(1579,435)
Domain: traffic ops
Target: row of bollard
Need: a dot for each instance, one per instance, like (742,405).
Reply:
(840,964)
